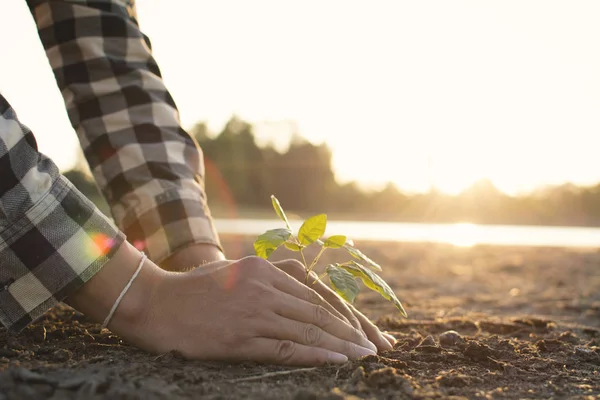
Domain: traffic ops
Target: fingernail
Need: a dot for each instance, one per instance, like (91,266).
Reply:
(371,346)
(390,337)
(336,358)
(363,351)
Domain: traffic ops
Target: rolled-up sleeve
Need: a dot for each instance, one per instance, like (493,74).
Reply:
(148,168)
(52,238)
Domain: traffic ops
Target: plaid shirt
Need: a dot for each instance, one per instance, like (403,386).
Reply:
(52,238)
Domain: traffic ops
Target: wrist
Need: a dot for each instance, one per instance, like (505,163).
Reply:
(97,296)
(192,256)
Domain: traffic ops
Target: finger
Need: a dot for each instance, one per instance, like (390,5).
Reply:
(297,289)
(338,303)
(312,335)
(286,352)
(299,273)
(293,308)
(390,338)
(373,333)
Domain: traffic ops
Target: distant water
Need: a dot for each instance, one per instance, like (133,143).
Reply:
(457,234)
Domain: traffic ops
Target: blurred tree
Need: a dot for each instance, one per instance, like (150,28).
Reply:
(238,159)
(302,178)
(241,174)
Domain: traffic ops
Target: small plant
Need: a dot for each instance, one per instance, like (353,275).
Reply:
(342,276)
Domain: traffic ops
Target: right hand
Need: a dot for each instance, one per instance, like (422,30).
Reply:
(245,310)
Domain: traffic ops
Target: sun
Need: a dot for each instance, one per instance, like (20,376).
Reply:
(463,235)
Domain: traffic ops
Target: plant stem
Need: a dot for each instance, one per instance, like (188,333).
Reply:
(305,266)
(312,265)
(319,277)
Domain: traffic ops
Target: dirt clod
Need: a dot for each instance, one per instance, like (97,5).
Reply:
(568,337)
(450,338)
(453,380)
(478,351)
(388,377)
(428,341)
(358,375)
(38,333)
(549,345)
(61,355)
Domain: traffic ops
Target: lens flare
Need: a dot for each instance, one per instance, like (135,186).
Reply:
(139,244)
(221,194)
(102,244)
(232,277)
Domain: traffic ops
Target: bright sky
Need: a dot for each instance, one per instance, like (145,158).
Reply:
(416,92)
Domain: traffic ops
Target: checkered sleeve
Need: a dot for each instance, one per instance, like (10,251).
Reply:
(147,166)
(52,238)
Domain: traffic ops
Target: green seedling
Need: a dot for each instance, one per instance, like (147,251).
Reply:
(342,276)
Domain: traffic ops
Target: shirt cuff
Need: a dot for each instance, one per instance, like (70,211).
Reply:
(53,249)
(168,221)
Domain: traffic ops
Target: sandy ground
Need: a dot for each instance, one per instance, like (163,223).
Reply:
(485,322)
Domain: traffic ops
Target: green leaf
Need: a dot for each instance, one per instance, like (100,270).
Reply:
(335,242)
(269,241)
(292,246)
(356,253)
(343,282)
(312,229)
(374,282)
(280,211)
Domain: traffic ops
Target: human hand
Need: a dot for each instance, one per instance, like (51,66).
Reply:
(198,254)
(227,310)
(382,340)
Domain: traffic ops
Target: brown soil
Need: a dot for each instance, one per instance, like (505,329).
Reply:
(485,322)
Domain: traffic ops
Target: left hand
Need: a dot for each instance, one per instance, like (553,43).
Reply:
(383,341)
(196,255)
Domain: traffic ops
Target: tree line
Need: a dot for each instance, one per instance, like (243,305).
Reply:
(241,176)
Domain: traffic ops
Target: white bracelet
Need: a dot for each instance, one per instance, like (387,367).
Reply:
(125,289)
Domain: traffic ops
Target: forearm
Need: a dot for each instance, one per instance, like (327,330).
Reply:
(149,169)
(52,238)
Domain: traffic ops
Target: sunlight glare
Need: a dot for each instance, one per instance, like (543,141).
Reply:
(463,235)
